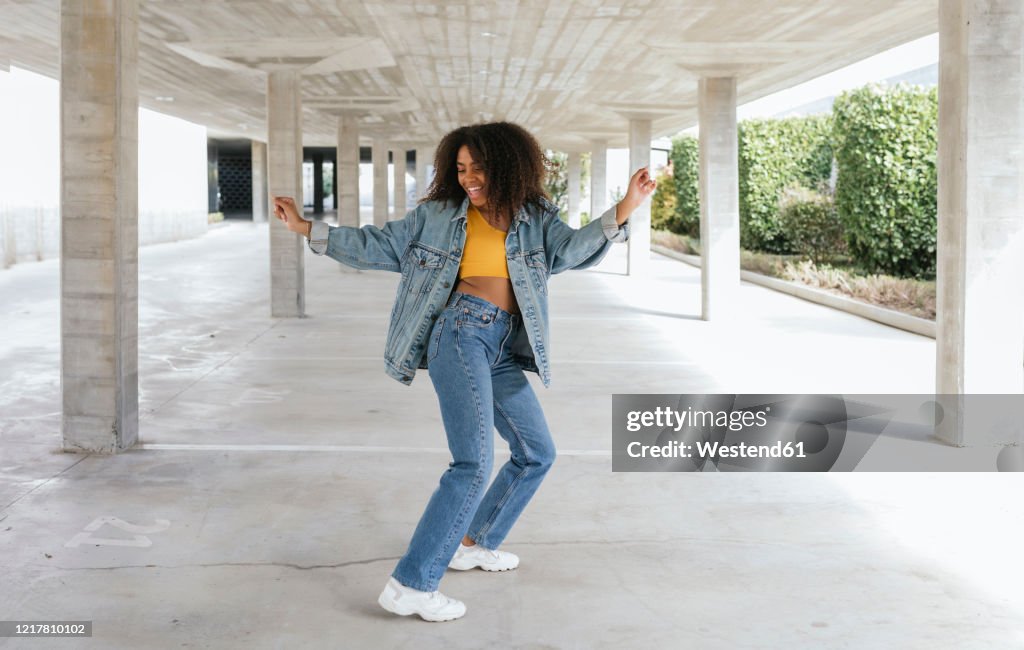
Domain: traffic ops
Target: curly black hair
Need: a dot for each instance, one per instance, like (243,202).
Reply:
(514,164)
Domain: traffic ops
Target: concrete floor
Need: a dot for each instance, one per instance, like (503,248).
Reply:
(281,473)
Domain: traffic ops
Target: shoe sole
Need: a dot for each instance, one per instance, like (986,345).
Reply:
(474,566)
(391,607)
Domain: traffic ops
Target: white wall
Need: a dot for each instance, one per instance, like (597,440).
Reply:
(29,167)
(172,172)
(172,178)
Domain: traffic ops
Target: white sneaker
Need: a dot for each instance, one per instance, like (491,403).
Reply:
(430,605)
(470,557)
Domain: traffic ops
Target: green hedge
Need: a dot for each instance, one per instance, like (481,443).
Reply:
(556,181)
(663,203)
(811,223)
(685,165)
(885,142)
(774,153)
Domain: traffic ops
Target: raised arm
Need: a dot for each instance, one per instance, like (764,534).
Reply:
(368,247)
(570,248)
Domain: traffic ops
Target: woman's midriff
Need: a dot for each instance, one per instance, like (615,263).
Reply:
(495,290)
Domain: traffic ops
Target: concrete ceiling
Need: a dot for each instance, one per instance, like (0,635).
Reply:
(570,70)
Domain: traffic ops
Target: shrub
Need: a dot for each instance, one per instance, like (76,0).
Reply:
(663,203)
(774,153)
(685,166)
(885,144)
(811,224)
(556,182)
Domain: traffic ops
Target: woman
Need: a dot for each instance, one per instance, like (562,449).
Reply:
(485,226)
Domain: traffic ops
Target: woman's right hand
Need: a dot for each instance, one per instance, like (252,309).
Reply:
(286,210)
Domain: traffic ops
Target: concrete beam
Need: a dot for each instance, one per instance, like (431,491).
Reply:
(979,337)
(284,129)
(719,196)
(99,285)
(260,190)
(347,181)
(639,253)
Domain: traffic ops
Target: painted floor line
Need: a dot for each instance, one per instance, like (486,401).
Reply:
(155,446)
(593,362)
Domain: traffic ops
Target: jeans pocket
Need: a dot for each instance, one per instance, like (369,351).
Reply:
(435,339)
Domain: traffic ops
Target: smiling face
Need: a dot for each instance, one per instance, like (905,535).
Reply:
(471,177)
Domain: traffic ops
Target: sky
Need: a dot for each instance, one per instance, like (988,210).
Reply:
(907,57)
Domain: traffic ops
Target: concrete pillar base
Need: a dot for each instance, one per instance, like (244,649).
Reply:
(980,252)
(284,129)
(380,183)
(599,178)
(99,287)
(260,191)
(347,180)
(639,253)
(573,188)
(719,198)
(400,169)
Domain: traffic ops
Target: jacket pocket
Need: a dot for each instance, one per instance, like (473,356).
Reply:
(420,268)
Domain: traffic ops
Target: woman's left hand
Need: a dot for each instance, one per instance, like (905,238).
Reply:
(641,186)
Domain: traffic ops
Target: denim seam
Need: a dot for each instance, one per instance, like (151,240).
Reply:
(486,528)
(437,345)
(501,348)
(511,486)
(477,480)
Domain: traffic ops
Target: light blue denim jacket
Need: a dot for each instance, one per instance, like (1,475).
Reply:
(426,248)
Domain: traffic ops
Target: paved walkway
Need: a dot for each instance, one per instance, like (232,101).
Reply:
(281,473)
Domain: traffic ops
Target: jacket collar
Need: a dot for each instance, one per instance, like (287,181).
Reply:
(522,215)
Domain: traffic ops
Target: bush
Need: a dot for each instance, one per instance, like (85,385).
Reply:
(556,181)
(663,202)
(775,153)
(885,143)
(685,167)
(810,222)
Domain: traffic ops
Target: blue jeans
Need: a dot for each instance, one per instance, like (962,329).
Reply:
(479,389)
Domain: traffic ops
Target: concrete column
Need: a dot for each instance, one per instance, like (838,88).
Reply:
(979,337)
(334,182)
(599,179)
(318,183)
(400,168)
(347,179)
(99,314)
(212,178)
(639,254)
(424,169)
(284,128)
(573,189)
(379,153)
(260,193)
(719,195)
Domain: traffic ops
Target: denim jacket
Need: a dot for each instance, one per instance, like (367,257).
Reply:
(426,248)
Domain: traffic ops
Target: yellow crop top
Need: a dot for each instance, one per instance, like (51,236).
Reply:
(484,252)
